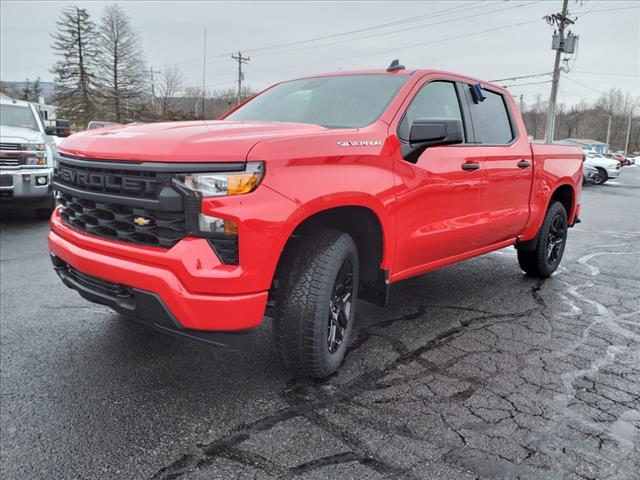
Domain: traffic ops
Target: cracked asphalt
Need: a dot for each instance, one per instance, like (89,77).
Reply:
(473,371)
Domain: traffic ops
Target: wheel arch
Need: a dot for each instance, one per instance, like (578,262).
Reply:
(369,228)
(564,193)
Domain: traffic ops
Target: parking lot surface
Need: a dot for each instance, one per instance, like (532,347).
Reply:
(472,371)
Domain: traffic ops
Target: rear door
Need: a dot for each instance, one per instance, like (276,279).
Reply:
(507,166)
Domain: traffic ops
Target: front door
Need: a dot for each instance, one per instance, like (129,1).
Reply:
(438,197)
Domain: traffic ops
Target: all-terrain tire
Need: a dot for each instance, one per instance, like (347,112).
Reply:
(545,258)
(306,302)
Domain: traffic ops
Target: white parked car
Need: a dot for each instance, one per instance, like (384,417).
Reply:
(26,158)
(607,167)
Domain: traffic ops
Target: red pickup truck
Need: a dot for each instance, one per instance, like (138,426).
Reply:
(314,193)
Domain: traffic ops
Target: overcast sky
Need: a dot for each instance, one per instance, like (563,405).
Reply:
(496,39)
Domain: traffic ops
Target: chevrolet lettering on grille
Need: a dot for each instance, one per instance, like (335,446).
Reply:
(109,181)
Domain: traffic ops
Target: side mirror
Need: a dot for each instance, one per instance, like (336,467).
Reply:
(50,130)
(430,132)
(63,128)
(436,131)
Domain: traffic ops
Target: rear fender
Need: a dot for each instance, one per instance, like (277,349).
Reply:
(541,200)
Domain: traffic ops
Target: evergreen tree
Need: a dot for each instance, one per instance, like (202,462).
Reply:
(121,66)
(25,91)
(75,45)
(36,90)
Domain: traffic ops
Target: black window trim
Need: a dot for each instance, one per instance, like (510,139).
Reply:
(514,128)
(464,111)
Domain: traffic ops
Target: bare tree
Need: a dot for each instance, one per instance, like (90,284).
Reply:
(121,66)
(591,120)
(169,85)
(193,97)
(76,85)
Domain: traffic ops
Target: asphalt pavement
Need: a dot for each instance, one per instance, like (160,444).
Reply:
(472,371)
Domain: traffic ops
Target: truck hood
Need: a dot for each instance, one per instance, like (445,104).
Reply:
(10,134)
(210,141)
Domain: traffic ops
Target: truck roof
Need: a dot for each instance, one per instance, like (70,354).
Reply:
(12,101)
(406,72)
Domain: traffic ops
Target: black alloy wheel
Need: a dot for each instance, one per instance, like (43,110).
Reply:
(556,238)
(340,307)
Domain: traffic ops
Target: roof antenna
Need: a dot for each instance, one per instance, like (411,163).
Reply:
(395,66)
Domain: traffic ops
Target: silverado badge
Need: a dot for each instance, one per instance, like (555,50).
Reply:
(141,221)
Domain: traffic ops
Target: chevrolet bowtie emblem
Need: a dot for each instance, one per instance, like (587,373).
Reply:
(141,221)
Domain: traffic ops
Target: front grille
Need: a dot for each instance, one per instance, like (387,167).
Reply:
(9,162)
(102,286)
(135,202)
(120,222)
(9,146)
(7,156)
(112,181)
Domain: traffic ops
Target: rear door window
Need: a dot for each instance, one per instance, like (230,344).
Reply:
(491,120)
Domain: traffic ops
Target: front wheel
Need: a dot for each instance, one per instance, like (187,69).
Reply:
(545,258)
(315,303)
(602,177)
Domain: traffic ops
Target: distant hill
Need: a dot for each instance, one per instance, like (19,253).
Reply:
(47,87)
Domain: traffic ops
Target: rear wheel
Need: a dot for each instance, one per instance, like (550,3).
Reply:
(315,303)
(545,258)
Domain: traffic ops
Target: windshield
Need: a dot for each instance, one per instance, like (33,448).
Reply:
(17,116)
(346,101)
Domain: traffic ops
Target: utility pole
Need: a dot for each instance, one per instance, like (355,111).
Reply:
(561,20)
(608,131)
(153,89)
(204,66)
(240,59)
(626,143)
(521,104)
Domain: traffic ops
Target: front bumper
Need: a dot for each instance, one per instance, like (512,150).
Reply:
(613,173)
(187,309)
(20,186)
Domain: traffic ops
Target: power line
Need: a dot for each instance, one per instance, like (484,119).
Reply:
(404,30)
(632,75)
(404,47)
(523,84)
(399,48)
(374,27)
(586,86)
(522,76)
(350,32)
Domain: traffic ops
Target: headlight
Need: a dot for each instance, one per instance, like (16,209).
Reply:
(36,161)
(223,184)
(33,147)
(33,154)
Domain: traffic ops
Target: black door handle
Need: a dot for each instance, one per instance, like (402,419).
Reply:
(470,166)
(524,164)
